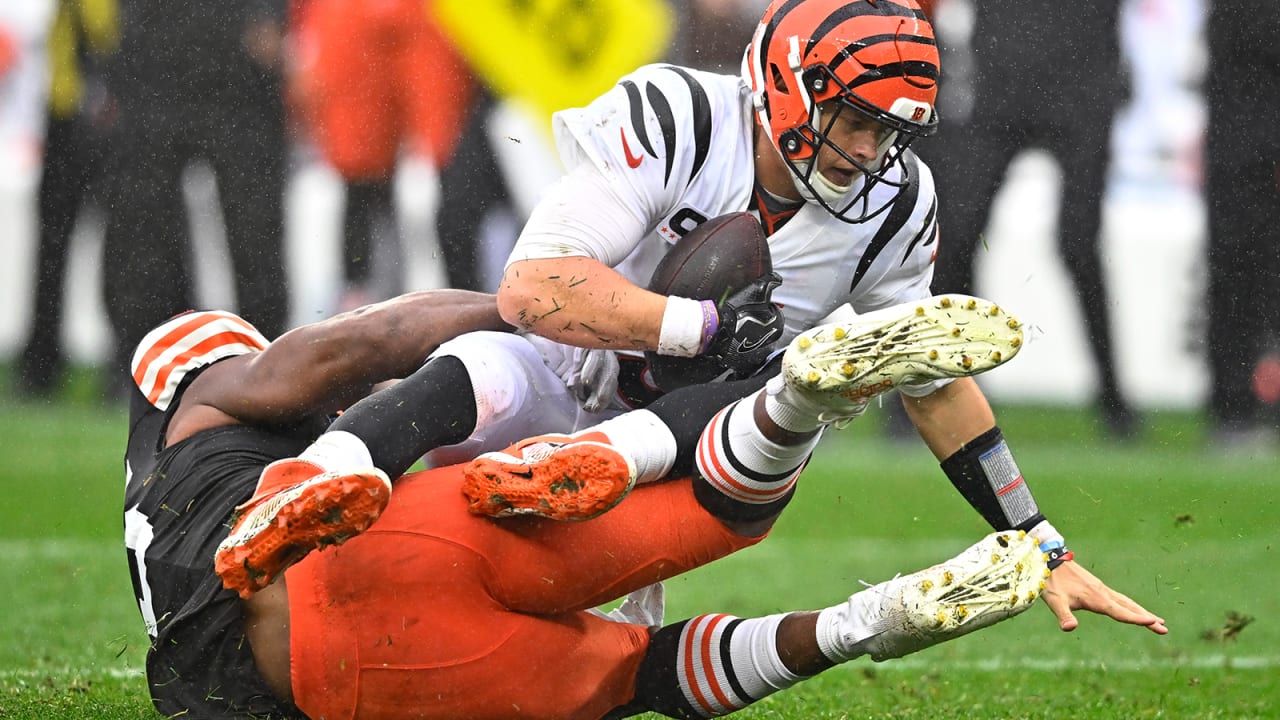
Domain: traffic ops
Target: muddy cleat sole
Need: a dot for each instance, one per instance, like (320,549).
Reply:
(947,336)
(553,477)
(281,528)
(993,580)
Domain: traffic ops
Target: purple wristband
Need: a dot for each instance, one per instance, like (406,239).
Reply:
(710,324)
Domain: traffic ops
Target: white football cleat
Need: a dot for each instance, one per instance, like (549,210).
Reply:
(847,363)
(995,579)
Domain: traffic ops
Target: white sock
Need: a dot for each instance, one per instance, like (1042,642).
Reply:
(750,447)
(795,412)
(642,436)
(338,451)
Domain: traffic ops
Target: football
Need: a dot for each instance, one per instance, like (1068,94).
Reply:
(711,262)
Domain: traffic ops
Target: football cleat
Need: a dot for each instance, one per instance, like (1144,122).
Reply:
(999,577)
(551,476)
(297,508)
(947,336)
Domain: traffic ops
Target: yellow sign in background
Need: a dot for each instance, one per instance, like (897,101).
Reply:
(555,54)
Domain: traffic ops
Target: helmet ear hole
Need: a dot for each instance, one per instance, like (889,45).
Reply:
(779,80)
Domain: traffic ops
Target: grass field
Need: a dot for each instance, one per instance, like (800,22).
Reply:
(1190,532)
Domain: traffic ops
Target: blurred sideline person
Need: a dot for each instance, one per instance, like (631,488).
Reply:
(375,80)
(77,126)
(194,82)
(708,33)
(435,612)
(1242,189)
(1048,76)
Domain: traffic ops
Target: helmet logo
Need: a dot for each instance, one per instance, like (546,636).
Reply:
(917,115)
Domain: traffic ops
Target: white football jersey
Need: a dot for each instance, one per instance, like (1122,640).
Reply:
(675,146)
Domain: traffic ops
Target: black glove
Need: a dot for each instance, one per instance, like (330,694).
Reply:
(750,324)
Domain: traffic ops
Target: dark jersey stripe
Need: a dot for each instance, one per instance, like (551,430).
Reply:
(637,116)
(926,231)
(667,123)
(898,216)
(701,120)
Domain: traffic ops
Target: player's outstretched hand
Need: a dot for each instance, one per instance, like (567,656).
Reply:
(1071,587)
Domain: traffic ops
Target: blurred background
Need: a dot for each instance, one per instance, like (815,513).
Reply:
(295,159)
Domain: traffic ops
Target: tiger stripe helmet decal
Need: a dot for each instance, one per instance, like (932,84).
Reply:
(185,343)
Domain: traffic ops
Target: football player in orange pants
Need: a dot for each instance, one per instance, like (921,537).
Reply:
(436,612)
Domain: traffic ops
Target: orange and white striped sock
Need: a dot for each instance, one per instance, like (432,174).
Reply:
(748,469)
(725,663)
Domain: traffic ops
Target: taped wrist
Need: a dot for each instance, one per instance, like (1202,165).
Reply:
(687,326)
(1052,544)
(986,475)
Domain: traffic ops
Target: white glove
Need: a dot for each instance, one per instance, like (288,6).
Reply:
(645,606)
(594,381)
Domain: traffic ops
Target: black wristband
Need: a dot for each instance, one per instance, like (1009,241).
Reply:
(1055,556)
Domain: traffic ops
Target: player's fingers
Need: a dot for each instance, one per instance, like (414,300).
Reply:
(1137,615)
(1114,599)
(1061,608)
(1136,608)
(1121,608)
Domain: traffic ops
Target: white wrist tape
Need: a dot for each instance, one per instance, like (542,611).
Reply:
(1047,535)
(683,328)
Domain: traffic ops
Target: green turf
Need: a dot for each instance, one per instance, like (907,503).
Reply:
(1190,532)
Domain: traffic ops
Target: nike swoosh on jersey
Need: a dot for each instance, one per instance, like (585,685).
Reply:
(632,160)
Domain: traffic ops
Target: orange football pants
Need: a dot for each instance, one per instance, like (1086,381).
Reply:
(436,613)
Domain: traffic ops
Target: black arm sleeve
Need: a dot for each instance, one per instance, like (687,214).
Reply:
(984,472)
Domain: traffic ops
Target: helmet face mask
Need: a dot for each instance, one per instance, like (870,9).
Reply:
(811,62)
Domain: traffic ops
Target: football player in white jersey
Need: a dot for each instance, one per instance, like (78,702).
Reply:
(814,137)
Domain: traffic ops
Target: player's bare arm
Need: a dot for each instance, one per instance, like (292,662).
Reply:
(950,416)
(581,301)
(323,367)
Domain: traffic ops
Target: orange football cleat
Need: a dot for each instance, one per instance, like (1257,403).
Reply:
(550,476)
(298,508)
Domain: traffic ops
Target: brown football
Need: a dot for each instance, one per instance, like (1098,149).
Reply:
(711,262)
